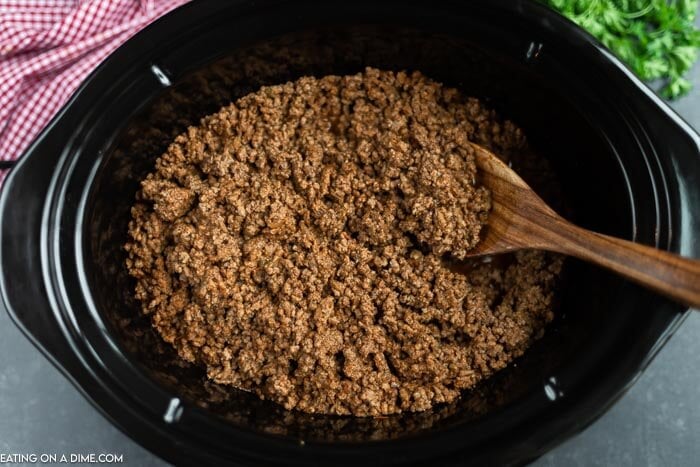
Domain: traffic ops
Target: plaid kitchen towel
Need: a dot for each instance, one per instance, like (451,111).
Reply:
(48,47)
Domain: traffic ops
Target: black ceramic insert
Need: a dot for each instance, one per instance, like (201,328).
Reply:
(627,164)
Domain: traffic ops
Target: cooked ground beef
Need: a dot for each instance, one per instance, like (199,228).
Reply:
(299,243)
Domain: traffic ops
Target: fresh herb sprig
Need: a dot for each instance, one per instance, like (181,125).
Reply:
(656,38)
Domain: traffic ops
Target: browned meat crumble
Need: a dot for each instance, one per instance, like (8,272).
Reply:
(294,244)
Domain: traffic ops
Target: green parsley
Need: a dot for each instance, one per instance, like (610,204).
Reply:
(656,38)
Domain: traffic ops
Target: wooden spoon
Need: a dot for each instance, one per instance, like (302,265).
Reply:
(519,219)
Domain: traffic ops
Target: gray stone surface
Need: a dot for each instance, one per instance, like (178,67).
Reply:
(657,423)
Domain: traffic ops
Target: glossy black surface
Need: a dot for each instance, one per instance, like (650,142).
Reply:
(627,163)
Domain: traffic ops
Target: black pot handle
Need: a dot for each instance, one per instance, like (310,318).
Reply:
(680,156)
(22,286)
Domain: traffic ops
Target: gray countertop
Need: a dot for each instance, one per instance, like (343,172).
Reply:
(657,423)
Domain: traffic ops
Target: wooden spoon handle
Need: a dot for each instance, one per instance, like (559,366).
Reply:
(669,274)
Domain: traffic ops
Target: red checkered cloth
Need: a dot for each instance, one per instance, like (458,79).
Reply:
(48,47)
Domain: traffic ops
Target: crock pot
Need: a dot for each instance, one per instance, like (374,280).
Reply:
(628,165)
